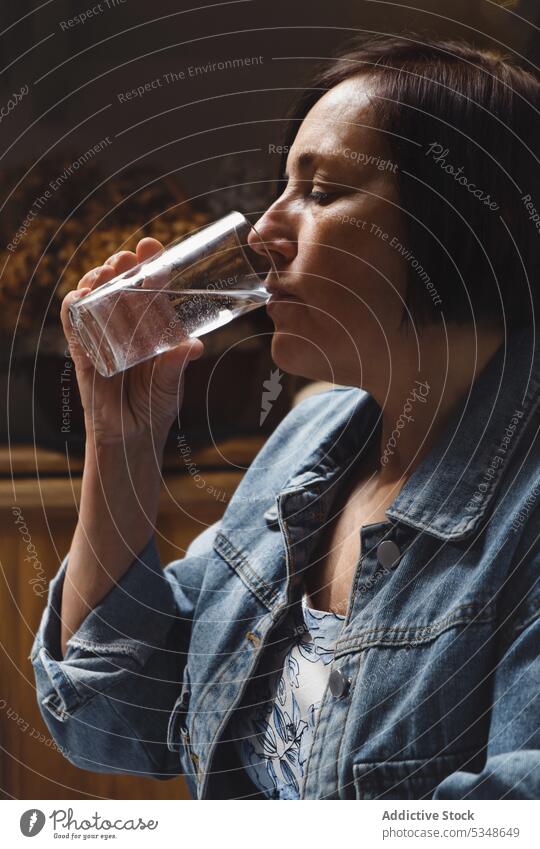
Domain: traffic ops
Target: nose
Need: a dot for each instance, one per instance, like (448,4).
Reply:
(273,233)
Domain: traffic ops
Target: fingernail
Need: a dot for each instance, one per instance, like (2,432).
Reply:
(194,353)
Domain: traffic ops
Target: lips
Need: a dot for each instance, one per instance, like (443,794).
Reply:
(279,298)
(279,293)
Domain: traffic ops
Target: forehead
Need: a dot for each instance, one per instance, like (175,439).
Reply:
(341,118)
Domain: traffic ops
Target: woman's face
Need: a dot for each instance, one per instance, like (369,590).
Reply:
(335,234)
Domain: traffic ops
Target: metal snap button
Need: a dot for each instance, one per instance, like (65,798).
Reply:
(388,553)
(271,516)
(339,684)
(253,638)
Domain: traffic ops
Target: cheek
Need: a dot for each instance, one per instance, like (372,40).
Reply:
(359,266)
(335,254)
(335,281)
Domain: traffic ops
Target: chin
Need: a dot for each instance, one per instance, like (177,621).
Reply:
(300,357)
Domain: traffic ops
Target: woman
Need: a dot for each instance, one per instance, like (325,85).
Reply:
(364,620)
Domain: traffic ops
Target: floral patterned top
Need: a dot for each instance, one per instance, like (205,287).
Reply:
(273,729)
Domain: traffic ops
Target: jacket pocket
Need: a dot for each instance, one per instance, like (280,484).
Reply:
(243,562)
(411,779)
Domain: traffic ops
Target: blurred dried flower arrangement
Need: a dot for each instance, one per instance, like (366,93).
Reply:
(69,236)
(75,229)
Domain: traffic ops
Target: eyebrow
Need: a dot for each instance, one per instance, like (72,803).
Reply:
(306,159)
(303,162)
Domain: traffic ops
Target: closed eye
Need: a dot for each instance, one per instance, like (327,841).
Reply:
(320,197)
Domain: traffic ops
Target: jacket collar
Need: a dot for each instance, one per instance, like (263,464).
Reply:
(451,491)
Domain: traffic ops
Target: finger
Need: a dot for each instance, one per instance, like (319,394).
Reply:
(182,354)
(148,248)
(195,349)
(122,261)
(77,352)
(94,278)
(170,366)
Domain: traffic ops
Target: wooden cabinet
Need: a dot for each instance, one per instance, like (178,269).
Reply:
(43,488)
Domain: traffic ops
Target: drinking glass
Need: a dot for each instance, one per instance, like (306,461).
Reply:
(196,284)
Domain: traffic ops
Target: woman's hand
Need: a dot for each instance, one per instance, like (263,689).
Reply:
(143,400)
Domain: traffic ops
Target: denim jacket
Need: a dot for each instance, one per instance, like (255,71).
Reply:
(438,655)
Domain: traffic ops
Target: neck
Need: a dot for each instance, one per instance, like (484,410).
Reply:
(427,382)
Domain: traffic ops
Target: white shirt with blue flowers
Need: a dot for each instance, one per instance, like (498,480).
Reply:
(274,729)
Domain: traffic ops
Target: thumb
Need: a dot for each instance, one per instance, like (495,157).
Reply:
(170,366)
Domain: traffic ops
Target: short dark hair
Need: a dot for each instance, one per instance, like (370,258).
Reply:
(446,105)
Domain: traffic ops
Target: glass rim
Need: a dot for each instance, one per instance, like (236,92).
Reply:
(272,270)
(117,281)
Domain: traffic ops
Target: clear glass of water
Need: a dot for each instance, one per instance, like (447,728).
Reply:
(196,284)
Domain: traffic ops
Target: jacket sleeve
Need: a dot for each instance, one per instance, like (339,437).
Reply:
(512,767)
(107,702)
